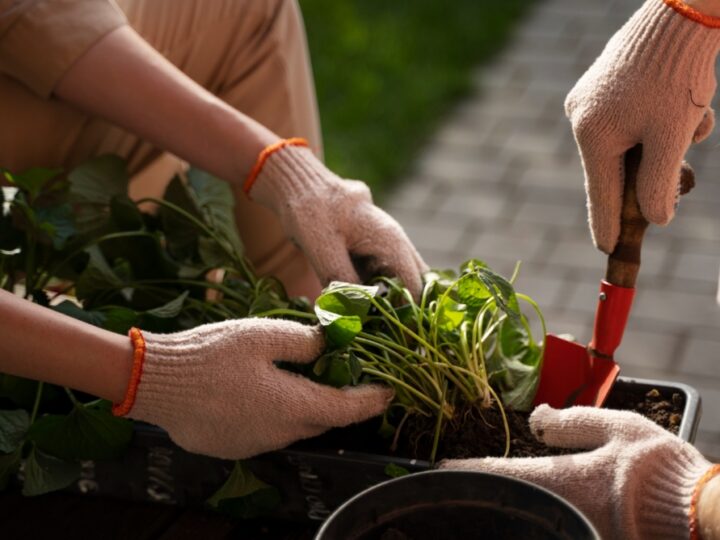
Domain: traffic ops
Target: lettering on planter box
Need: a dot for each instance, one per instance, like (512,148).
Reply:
(87,482)
(160,485)
(312,488)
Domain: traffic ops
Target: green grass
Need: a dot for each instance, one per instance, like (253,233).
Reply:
(386,71)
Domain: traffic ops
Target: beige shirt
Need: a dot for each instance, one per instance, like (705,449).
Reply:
(41,39)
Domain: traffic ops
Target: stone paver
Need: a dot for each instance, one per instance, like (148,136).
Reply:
(501,180)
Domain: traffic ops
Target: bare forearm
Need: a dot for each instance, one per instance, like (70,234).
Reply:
(124,80)
(709,510)
(708,7)
(41,344)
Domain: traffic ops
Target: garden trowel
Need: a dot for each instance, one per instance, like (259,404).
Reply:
(573,374)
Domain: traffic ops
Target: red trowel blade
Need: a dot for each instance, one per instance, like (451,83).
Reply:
(571,376)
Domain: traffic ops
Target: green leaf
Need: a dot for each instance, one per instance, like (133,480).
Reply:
(169,310)
(44,473)
(211,253)
(71,309)
(182,234)
(51,225)
(499,288)
(441,281)
(125,214)
(266,301)
(347,299)
(85,433)
(395,471)
(339,330)
(335,369)
(355,368)
(98,276)
(9,464)
(92,186)
(513,339)
(32,180)
(57,223)
(341,309)
(99,179)
(243,495)
(217,202)
(450,314)
(13,427)
(119,319)
(521,379)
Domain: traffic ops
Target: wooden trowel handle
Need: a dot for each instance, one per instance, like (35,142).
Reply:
(624,262)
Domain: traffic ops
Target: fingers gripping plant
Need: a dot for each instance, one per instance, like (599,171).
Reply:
(465,343)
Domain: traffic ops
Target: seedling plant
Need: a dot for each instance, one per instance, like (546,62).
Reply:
(463,343)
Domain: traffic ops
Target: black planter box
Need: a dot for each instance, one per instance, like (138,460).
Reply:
(312,483)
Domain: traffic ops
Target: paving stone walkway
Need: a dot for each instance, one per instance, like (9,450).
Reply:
(501,180)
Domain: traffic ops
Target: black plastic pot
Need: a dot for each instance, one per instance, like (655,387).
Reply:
(312,483)
(455,505)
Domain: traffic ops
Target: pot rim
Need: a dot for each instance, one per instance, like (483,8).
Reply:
(369,492)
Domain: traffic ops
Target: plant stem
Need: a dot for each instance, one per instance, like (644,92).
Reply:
(237,257)
(36,405)
(286,312)
(403,384)
(72,397)
(111,236)
(438,427)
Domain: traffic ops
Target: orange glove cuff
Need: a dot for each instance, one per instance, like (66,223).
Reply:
(265,154)
(138,341)
(704,479)
(693,14)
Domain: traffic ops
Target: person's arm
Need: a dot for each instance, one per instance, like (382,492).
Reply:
(127,82)
(215,389)
(41,344)
(709,510)
(124,80)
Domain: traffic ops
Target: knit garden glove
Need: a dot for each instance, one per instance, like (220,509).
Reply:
(334,221)
(216,391)
(652,84)
(636,481)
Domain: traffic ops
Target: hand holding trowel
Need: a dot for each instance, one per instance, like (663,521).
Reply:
(576,375)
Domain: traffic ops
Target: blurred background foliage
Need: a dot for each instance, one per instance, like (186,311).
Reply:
(386,71)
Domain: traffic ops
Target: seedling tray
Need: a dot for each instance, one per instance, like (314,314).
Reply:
(311,483)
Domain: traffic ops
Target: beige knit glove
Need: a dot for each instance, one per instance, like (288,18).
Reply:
(333,220)
(216,391)
(652,84)
(635,482)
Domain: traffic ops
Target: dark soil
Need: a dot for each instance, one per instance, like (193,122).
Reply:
(480,433)
(468,521)
(666,410)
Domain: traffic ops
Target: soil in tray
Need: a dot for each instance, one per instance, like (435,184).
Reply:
(477,433)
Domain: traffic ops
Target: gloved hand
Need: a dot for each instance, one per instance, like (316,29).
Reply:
(636,481)
(652,84)
(334,221)
(215,390)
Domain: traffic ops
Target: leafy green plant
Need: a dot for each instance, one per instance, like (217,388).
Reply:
(77,244)
(464,343)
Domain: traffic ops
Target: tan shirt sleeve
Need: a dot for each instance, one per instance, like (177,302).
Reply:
(41,39)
